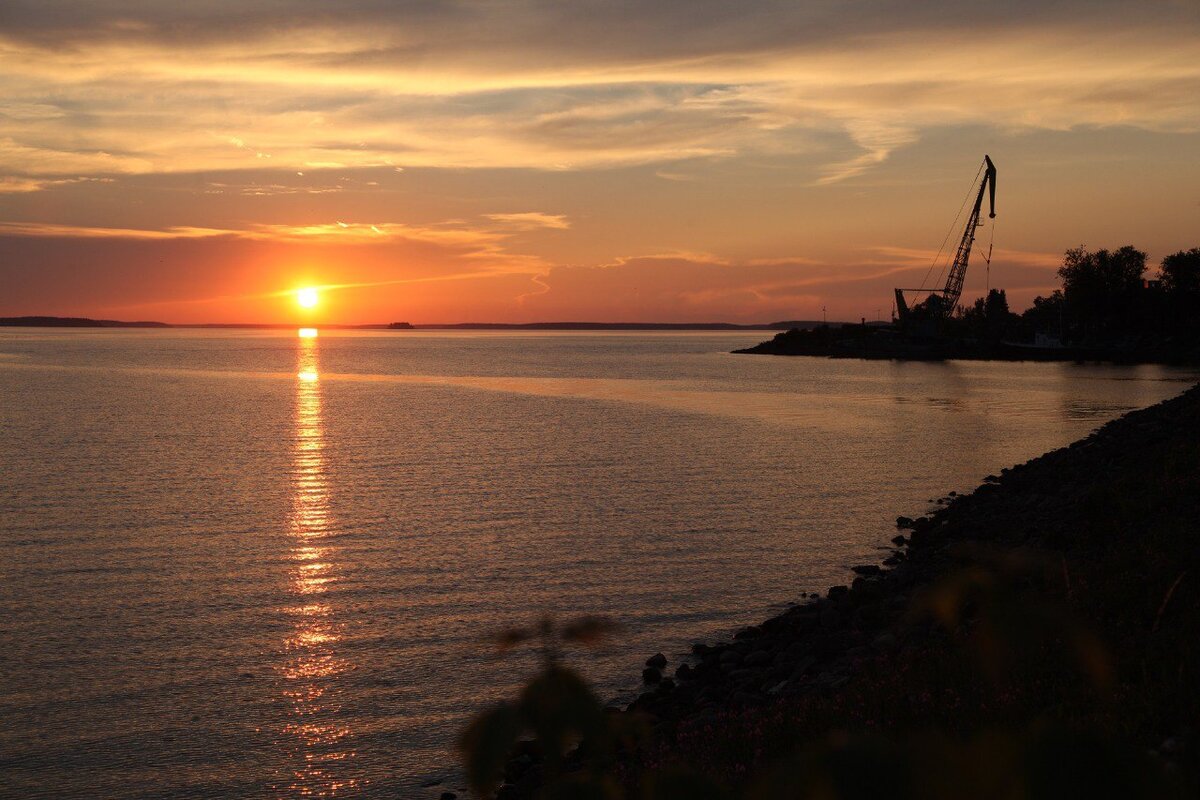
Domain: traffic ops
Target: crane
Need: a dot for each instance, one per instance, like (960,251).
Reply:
(940,303)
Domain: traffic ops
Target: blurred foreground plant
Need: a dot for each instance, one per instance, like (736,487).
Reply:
(559,710)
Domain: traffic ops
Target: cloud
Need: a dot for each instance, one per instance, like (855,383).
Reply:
(59,231)
(877,142)
(482,248)
(691,287)
(256,189)
(48,158)
(531,220)
(19,184)
(702,287)
(540,85)
(916,257)
(337,232)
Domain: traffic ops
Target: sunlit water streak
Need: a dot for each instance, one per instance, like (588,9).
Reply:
(255,564)
(311,662)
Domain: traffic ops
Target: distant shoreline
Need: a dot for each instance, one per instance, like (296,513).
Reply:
(85,322)
(74,322)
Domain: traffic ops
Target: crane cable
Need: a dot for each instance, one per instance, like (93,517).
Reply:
(953,225)
(988,258)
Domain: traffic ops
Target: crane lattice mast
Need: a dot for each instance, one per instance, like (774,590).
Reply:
(950,295)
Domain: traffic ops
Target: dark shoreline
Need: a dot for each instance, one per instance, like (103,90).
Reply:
(1116,516)
(873,344)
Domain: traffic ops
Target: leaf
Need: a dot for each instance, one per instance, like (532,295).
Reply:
(486,745)
(559,707)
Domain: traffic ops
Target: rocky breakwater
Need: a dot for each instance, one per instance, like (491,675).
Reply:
(1105,533)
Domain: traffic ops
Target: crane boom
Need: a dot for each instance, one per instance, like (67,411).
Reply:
(942,302)
(958,272)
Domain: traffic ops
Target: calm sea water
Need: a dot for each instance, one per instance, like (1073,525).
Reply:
(250,564)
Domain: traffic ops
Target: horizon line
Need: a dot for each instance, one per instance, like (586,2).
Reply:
(48,320)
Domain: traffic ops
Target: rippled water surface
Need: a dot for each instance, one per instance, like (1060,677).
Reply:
(244,563)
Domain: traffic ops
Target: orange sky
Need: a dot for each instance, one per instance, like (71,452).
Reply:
(529,160)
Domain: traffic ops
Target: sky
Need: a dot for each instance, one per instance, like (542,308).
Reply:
(541,160)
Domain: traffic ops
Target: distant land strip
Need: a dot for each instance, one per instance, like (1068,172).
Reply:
(84,322)
(74,322)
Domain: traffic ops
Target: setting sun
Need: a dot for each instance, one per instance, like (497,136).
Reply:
(307,298)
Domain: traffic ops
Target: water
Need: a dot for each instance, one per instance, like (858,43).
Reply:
(243,563)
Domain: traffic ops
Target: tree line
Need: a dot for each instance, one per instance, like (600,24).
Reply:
(1105,301)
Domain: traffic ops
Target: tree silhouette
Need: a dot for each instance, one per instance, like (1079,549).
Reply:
(1102,289)
(1180,272)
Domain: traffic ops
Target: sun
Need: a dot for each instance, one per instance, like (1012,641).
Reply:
(307,298)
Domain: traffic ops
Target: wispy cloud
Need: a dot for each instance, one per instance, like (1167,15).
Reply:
(921,257)
(19,184)
(54,230)
(530,220)
(877,142)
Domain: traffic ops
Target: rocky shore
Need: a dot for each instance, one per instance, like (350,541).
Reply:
(1092,550)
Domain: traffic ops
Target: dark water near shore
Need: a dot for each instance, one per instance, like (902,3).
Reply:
(248,564)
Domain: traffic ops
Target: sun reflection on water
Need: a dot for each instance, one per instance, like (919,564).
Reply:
(312,664)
